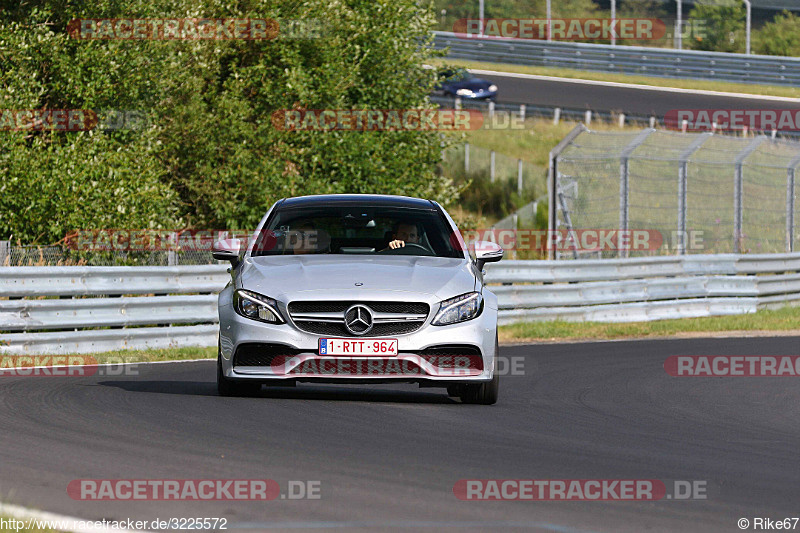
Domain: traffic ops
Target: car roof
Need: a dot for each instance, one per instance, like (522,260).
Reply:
(382,200)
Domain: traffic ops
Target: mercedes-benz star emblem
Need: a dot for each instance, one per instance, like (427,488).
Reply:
(358,319)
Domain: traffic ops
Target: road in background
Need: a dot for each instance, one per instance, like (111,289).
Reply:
(388,456)
(637,101)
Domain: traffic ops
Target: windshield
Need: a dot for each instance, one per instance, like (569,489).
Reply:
(360,230)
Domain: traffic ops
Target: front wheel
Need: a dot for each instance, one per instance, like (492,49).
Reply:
(230,387)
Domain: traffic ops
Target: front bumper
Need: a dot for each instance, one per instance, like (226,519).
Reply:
(302,361)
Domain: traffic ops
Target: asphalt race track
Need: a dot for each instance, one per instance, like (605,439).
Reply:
(649,102)
(388,456)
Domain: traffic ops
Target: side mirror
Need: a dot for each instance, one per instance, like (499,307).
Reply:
(227,250)
(486,252)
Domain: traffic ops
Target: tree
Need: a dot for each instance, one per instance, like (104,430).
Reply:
(210,155)
(723,29)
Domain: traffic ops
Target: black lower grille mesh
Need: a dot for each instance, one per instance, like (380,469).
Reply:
(260,354)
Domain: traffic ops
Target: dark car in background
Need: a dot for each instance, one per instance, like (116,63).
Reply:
(462,83)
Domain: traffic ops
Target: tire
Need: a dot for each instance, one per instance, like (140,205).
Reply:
(231,387)
(484,393)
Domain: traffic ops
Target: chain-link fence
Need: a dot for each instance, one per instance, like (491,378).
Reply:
(701,193)
(498,184)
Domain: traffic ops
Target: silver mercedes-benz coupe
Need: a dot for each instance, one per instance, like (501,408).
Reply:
(358,288)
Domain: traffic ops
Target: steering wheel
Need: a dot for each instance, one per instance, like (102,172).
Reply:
(411,248)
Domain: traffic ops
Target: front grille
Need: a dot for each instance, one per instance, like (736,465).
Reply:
(416,308)
(378,330)
(334,325)
(260,354)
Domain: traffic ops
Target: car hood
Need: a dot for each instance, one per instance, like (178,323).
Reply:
(287,278)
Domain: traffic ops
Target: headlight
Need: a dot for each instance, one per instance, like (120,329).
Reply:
(257,307)
(459,309)
(492,88)
(464,92)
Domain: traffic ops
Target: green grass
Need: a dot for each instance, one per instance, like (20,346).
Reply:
(721,86)
(782,319)
(127,356)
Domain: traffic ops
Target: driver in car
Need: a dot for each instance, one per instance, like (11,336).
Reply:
(402,233)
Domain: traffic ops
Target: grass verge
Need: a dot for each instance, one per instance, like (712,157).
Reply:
(720,86)
(765,320)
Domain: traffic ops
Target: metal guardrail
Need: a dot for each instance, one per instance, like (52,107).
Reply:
(94,310)
(659,62)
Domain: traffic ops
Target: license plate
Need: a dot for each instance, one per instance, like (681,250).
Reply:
(358,347)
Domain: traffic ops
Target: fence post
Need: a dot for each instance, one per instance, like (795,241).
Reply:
(790,211)
(491,166)
(552,182)
(737,192)
(623,182)
(790,188)
(5,252)
(682,174)
(519,177)
(587,117)
(457,103)
(466,157)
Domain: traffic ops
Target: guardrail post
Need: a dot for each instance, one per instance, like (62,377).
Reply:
(5,252)
(457,103)
(491,166)
(466,157)
(587,117)
(556,116)
(621,120)
(682,174)
(737,192)
(623,182)
(522,112)
(519,177)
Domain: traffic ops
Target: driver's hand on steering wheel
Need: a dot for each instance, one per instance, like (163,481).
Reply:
(397,243)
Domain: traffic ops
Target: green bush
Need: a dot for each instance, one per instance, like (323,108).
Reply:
(781,37)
